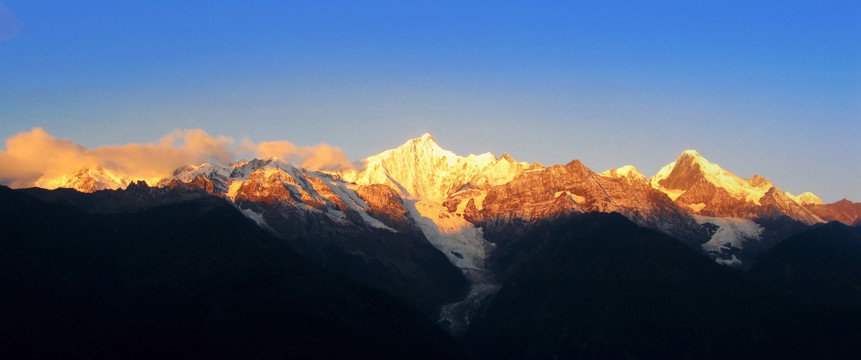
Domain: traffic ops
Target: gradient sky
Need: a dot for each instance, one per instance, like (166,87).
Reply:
(768,87)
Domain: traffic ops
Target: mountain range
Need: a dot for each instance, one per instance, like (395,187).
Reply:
(512,259)
(730,218)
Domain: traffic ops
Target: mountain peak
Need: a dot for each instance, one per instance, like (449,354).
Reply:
(691,167)
(421,169)
(507,157)
(806,198)
(629,172)
(426,137)
(691,152)
(86,180)
(690,158)
(424,143)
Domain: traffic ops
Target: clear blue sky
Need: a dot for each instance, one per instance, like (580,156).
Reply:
(768,87)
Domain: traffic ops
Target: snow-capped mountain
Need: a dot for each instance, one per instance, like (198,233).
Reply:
(421,169)
(452,200)
(86,180)
(573,188)
(628,172)
(806,198)
(705,188)
(425,175)
(366,231)
(448,235)
(273,182)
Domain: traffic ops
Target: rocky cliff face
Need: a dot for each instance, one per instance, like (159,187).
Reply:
(385,205)
(843,211)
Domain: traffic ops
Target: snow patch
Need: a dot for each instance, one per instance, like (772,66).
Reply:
(461,242)
(577,198)
(233,189)
(660,176)
(663,174)
(465,247)
(697,207)
(461,206)
(257,218)
(730,233)
(457,315)
(733,261)
(350,199)
(627,172)
(479,201)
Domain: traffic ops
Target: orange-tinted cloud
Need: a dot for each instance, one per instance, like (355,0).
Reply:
(31,155)
(318,157)
(36,156)
(178,148)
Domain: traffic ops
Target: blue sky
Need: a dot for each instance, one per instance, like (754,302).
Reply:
(768,87)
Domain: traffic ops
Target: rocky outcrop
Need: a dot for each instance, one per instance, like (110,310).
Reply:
(385,205)
(843,211)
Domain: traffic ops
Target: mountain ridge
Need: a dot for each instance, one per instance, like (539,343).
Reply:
(447,196)
(457,237)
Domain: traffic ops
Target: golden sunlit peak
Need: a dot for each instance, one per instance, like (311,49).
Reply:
(426,137)
(691,152)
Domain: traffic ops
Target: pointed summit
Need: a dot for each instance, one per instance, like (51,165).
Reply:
(421,169)
(809,198)
(426,141)
(424,147)
(689,168)
(422,144)
(691,152)
(507,157)
(692,168)
(806,198)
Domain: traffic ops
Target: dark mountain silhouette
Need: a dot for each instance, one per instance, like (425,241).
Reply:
(599,286)
(820,265)
(192,278)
